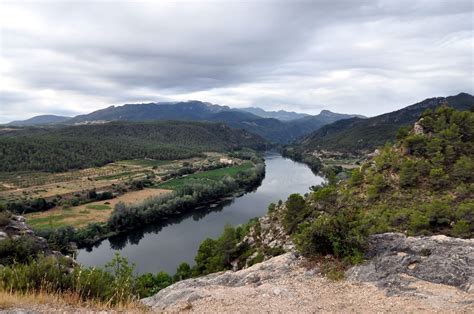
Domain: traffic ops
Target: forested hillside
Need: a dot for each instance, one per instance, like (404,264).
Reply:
(73,147)
(269,126)
(422,185)
(357,135)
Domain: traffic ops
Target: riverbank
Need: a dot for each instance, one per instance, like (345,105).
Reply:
(187,196)
(180,237)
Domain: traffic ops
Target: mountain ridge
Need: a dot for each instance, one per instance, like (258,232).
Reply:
(272,129)
(355,135)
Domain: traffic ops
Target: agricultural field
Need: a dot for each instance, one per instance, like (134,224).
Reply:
(216,174)
(80,216)
(23,186)
(116,178)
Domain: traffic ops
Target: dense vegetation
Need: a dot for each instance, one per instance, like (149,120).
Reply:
(73,147)
(357,135)
(182,200)
(271,129)
(422,185)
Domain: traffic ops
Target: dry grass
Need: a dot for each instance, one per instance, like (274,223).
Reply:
(64,302)
(82,215)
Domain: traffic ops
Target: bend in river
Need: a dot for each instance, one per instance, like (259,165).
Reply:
(164,246)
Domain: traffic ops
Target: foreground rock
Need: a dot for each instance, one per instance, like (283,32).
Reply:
(397,262)
(282,283)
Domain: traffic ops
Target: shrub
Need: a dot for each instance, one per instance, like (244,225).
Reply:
(339,235)
(408,174)
(356,177)
(4,218)
(295,211)
(463,169)
(438,178)
(20,250)
(462,229)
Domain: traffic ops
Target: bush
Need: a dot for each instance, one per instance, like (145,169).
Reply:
(462,229)
(408,174)
(295,211)
(4,218)
(20,250)
(339,235)
(115,284)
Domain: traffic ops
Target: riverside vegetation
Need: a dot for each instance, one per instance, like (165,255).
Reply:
(421,185)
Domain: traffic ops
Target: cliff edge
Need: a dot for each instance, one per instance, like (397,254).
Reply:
(402,273)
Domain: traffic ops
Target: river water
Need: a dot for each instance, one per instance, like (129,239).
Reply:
(164,246)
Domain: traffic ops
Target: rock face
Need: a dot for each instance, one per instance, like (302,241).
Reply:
(190,290)
(286,284)
(267,237)
(17,227)
(396,261)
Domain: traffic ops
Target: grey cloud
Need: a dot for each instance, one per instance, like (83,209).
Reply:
(350,56)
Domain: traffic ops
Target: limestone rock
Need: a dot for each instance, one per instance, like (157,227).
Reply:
(396,261)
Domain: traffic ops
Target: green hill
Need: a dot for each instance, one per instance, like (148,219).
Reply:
(357,135)
(424,184)
(72,147)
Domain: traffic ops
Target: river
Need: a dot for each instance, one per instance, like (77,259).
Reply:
(164,246)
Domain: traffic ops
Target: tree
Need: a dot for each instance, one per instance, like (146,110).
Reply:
(182,272)
(408,174)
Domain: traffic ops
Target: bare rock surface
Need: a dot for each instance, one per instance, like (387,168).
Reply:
(282,284)
(396,262)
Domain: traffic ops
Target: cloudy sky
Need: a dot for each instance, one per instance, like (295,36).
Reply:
(367,57)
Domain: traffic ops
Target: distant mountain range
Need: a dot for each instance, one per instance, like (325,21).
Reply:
(361,135)
(280,114)
(39,120)
(281,131)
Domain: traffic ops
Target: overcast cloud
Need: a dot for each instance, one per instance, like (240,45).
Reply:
(366,57)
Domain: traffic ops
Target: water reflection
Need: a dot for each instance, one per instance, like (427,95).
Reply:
(163,246)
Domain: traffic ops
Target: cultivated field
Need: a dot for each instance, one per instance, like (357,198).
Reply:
(72,187)
(216,174)
(80,216)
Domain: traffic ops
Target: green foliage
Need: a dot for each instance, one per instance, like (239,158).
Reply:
(463,169)
(295,211)
(4,218)
(74,147)
(338,235)
(408,174)
(115,285)
(185,198)
(19,250)
(357,135)
(356,178)
(422,185)
(183,272)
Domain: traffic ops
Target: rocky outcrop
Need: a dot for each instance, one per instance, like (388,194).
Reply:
(396,262)
(17,227)
(286,284)
(267,238)
(190,290)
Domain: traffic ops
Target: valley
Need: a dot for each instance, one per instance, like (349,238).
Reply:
(213,198)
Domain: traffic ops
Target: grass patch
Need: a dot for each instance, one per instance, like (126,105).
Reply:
(98,207)
(212,175)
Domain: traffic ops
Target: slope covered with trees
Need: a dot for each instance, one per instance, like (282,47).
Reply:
(357,135)
(424,184)
(273,126)
(72,147)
